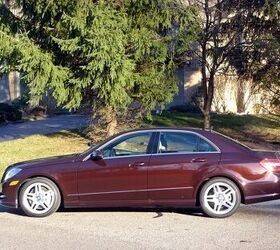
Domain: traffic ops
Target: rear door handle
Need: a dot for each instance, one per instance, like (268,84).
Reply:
(136,164)
(198,160)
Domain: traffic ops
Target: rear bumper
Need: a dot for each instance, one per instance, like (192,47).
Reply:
(266,190)
(262,198)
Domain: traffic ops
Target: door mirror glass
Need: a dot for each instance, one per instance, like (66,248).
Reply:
(96,155)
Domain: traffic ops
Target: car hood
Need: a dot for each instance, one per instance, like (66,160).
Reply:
(45,161)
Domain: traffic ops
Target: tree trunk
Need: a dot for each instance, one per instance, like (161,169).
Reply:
(208,102)
(204,74)
(112,122)
(207,121)
(240,98)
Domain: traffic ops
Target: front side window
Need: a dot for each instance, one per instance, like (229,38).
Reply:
(177,142)
(135,144)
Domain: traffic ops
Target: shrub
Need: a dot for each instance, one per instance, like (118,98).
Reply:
(186,108)
(38,111)
(21,102)
(9,113)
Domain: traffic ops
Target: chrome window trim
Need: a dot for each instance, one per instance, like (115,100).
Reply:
(125,156)
(160,131)
(185,153)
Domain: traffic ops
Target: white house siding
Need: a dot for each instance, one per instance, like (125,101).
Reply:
(231,95)
(4,89)
(10,88)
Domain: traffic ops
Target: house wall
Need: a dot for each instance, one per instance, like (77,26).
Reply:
(10,88)
(231,95)
(4,89)
(188,84)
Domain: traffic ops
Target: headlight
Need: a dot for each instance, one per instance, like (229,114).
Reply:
(11,173)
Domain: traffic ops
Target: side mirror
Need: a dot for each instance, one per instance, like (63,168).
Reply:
(96,155)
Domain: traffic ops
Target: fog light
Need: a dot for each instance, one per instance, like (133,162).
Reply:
(2,196)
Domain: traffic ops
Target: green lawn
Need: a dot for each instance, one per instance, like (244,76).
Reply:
(39,146)
(255,131)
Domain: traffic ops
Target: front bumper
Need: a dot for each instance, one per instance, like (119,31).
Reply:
(8,195)
(2,196)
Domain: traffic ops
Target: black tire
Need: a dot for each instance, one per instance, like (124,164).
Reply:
(207,208)
(55,199)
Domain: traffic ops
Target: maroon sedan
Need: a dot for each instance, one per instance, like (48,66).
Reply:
(159,167)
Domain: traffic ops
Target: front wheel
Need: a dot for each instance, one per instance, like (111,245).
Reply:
(220,198)
(39,197)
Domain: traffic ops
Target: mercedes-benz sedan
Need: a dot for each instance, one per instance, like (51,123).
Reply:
(158,167)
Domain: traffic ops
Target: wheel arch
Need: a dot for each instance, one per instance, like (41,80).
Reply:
(219,176)
(45,177)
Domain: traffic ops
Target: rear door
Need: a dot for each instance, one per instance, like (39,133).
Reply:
(177,165)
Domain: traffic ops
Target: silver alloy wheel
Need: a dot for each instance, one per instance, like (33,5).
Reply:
(38,198)
(220,198)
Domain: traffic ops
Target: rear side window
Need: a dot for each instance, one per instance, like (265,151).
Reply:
(204,146)
(177,142)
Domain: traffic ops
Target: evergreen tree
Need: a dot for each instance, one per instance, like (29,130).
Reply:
(114,54)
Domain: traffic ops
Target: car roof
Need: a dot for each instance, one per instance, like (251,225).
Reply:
(166,128)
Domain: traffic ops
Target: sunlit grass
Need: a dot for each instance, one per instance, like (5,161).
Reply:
(39,146)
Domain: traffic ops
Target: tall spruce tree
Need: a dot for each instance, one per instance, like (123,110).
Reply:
(114,54)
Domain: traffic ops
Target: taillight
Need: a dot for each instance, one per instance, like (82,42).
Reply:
(272,165)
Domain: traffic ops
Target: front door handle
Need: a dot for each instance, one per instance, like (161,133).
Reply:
(136,164)
(198,160)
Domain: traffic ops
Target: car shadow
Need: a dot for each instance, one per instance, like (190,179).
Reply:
(251,210)
(261,209)
(159,212)
(10,210)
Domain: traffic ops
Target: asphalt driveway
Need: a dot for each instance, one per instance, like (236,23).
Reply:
(252,227)
(47,125)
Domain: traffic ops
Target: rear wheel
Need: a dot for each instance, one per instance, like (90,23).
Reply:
(39,197)
(220,198)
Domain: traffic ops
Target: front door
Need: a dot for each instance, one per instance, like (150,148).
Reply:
(120,176)
(175,169)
